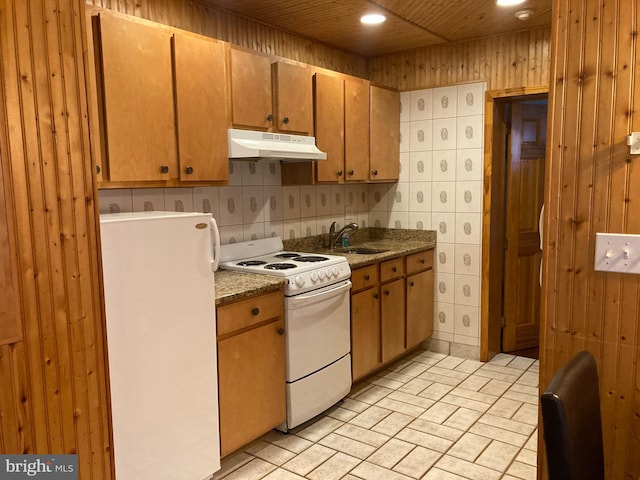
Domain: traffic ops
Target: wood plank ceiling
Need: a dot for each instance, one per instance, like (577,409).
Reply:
(410,23)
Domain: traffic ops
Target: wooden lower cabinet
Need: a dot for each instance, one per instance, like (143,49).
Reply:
(392,316)
(391,310)
(365,332)
(251,369)
(419,307)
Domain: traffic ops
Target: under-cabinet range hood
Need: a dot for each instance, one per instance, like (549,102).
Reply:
(251,145)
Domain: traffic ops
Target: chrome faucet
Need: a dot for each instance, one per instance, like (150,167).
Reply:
(334,237)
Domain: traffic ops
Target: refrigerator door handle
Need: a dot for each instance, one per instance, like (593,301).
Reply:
(215,247)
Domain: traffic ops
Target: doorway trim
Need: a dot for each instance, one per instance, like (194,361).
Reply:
(492,225)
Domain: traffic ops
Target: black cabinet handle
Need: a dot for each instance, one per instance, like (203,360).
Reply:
(285,120)
(189,170)
(280,331)
(270,117)
(386,292)
(350,172)
(255,311)
(97,168)
(375,172)
(164,169)
(394,269)
(422,260)
(376,296)
(339,173)
(367,277)
(411,284)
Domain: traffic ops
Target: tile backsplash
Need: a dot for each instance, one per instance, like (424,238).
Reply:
(440,188)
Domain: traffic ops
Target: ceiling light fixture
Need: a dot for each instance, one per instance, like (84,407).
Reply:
(372,19)
(524,14)
(508,3)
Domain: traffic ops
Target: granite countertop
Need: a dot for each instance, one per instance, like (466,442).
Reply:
(231,286)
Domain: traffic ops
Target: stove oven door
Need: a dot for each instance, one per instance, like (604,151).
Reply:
(317,329)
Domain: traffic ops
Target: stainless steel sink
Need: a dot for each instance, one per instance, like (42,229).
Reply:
(359,250)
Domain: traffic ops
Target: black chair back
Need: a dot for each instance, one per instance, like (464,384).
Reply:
(571,420)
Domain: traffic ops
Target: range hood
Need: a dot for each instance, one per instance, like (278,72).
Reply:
(251,145)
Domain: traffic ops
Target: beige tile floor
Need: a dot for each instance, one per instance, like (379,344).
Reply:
(428,416)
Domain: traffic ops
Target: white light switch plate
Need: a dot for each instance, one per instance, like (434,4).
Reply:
(634,143)
(616,252)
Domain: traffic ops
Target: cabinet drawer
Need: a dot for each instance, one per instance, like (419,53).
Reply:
(364,277)
(391,269)
(419,261)
(251,311)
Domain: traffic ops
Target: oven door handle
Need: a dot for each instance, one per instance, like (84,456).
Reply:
(322,293)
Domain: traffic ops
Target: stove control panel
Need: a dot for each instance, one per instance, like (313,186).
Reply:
(321,277)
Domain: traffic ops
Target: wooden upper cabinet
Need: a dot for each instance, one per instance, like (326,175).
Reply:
(329,127)
(293,98)
(384,162)
(201,99)
(136,86)
(356,130)
(251,104)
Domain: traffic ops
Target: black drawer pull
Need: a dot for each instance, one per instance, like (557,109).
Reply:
(422,260)
(270,118)
(394,269)
(350,172)
(339,173)
(386,292)
(411,284)
(367,277)
(255,311)
(164,169)
(280,331)
(376,296)
(285,120)
(188,170)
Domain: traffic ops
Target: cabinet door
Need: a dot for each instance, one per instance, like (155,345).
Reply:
(251,378)
(329,127)
(384,150)
(10,325)
(250,90)
(419,307)
(356,130)
(365,332)
(136,81)
(293,98)
(201,105)
(393,319)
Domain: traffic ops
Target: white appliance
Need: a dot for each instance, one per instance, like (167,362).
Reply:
(253,145)
(161,335)
(317,321)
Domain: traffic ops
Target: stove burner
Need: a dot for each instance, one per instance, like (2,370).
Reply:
(287,255)
(250,263)
(279,266)
(311,258)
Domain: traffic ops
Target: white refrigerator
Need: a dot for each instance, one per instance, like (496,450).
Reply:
(161,337)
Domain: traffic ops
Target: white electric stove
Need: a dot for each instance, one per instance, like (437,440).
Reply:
(317,321)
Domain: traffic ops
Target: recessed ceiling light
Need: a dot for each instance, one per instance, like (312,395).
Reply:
(508,3)
(372,19)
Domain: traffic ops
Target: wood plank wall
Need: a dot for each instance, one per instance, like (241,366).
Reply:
(504,61)
(593,185)
(199,18)
(53,384)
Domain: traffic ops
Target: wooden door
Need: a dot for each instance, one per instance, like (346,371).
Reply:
(384,151)
(201,106)
(293,98)
(251,377)
(137,92)
(419,307)
(251,105)
(356,130)
(524,197)
(329,127)
(365,332)
(392,314)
